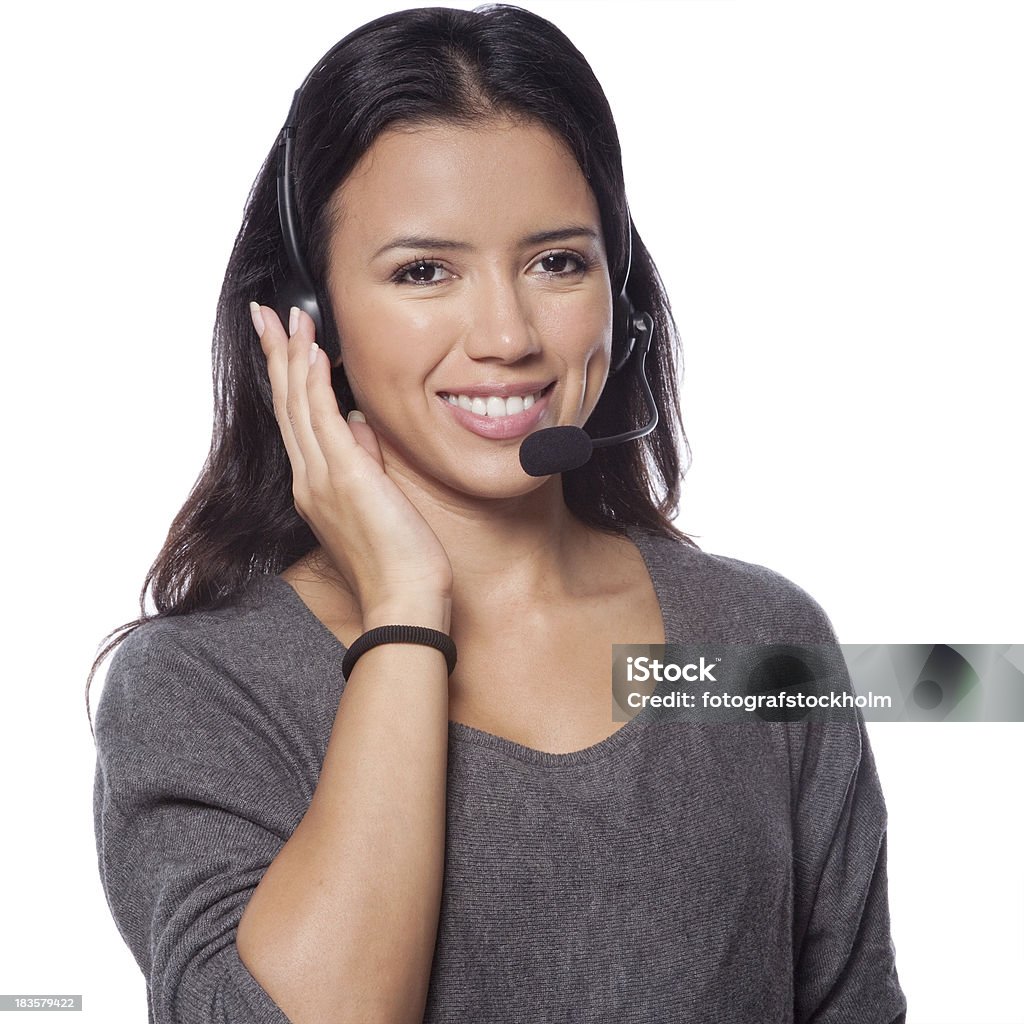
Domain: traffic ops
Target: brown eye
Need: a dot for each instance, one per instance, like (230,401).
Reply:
(555,264)
(422,272)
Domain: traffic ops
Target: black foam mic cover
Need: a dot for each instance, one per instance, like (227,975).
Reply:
(555,450)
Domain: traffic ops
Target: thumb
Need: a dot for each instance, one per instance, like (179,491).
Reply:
(363,433)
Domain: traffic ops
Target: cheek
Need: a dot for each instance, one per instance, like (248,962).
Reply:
(589,332)
(387,343)
(587,327)
(579,318)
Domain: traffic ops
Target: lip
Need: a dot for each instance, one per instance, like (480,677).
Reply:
(521,389)
(500,427)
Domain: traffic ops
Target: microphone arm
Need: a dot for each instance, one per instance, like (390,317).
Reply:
(559,449)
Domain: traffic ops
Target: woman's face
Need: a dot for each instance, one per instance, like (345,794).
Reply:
(442,285)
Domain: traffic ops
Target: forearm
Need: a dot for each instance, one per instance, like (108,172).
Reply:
(343,924)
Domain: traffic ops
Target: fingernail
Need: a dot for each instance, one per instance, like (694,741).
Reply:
(293,320)
(314,348)
(356,415)
(257,318)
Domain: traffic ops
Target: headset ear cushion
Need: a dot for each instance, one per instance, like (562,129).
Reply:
(623,334)
(296,292)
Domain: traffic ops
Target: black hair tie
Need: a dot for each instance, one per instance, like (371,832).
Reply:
(404,635)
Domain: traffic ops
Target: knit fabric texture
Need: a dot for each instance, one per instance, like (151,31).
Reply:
(694,873)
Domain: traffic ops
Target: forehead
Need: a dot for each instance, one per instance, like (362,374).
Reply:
(500,176)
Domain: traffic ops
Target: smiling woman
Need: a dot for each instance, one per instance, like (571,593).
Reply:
(363,763)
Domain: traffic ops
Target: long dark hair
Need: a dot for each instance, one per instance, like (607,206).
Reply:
(428,65)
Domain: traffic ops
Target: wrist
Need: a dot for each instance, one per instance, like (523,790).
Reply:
(433,612)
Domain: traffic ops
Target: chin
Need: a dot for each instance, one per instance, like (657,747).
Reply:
(503,478)
(501,486)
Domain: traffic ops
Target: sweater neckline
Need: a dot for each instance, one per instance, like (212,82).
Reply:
(459,732)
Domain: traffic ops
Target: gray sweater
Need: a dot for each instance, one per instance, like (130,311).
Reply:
(699,873)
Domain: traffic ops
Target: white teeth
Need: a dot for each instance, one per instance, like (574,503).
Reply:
(494,406)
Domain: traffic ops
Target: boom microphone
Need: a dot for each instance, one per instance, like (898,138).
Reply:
(559,449)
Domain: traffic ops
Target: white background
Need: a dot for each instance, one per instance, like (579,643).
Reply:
(832,193)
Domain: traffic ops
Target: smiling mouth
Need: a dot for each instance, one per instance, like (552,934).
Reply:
(494,406)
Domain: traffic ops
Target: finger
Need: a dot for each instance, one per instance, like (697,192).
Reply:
(364,434)
(297,403)
(274,341)
(336,438)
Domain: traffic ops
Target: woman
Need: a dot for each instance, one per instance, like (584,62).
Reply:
(447,825)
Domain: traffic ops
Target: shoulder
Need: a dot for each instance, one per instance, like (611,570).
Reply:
(729,598)
(189,647)
(179,680)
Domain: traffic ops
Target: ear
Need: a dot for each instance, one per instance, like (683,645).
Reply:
(339,361)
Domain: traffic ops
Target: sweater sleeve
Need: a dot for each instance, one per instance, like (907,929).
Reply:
(844,956)
(192,802)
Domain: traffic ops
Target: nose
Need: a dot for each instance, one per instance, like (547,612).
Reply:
(502,324)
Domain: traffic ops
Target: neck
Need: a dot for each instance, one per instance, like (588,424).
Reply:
(523,549)
(522,554)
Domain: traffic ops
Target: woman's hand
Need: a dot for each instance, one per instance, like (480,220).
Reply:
(372,533)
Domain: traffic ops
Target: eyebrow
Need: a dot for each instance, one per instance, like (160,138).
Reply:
(538,238)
